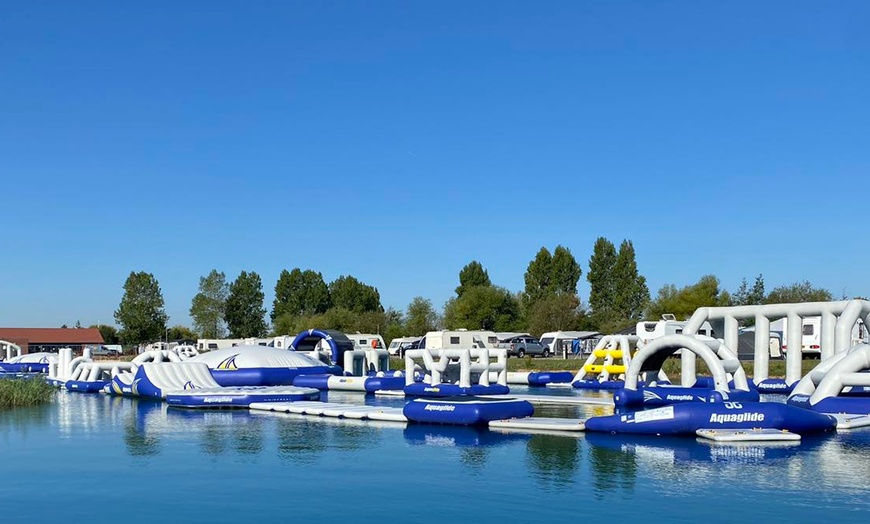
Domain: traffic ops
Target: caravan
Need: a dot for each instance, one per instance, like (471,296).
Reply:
(811,329)
(459,339)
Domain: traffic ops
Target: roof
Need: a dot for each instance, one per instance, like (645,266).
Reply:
(53,335)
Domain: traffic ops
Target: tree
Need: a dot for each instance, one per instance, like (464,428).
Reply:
(483,307)
(109,333)
(472,275)
(560,311)
(140,312)
(600,278)
(245,313)
(78,324)
(180,332)
(208,307)
(798,292)
(420,317)
(349,293)
(300,292)
(683,302)
(538,277)
(630,292)
(565,272)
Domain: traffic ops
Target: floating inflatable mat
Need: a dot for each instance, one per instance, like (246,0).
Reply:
(421,389)
(595,384)
(747,435)
(572,425)
(86,386)
(688,418)
(238,397)
(343,383)
(466,411)
(334,410)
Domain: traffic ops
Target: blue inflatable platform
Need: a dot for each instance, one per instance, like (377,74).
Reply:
(465,411)
(421,389)
(666,395)
(686,419)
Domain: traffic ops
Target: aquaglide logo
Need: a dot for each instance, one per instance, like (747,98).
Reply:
(736,417)
(439,407)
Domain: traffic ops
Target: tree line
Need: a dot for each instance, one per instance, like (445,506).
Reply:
(618,297)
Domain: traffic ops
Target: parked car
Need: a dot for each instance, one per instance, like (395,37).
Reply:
(522,346)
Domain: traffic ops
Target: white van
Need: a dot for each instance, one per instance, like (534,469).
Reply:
(459,339)
(399,345)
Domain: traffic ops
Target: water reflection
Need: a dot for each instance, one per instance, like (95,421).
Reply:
(553,459)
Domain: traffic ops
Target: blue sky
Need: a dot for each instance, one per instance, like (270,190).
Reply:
(397,141)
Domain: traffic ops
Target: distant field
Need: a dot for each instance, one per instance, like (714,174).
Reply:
(672,366)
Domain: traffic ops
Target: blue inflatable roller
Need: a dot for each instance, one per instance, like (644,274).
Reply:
(686,419)
(466,411)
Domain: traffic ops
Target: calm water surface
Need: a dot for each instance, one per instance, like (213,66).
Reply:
(90,456)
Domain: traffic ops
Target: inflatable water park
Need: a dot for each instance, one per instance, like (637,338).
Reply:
(454,381)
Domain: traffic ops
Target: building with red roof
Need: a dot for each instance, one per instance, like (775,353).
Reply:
(33,340)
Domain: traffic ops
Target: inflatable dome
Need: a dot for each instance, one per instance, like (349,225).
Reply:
(250,365)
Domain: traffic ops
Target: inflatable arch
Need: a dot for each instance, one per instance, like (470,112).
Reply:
(649,360)
(10,349)
(837,320)
(824,389)
(338,343)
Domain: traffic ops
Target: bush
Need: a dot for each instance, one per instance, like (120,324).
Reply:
(16,393)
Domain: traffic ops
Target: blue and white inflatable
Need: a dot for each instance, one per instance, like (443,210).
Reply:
(191,384)
(249,365)
(29,363)
(648,361)
(837,385)
(466,411)
(689,418)
(456,372)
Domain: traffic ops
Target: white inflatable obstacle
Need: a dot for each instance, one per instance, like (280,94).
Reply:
(606,366)
(9,350)
(641,379)
(840,384)
(837,322)
(450,372)
(82,373)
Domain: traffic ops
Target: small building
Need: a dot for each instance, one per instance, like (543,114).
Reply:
(35,340)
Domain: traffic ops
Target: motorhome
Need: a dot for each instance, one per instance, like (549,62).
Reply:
(211,344)
(459,339)
(366,340)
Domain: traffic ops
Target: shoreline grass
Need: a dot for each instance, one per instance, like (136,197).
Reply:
(17,393)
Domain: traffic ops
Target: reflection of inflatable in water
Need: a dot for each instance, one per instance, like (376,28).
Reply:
(674,449)
(458,436)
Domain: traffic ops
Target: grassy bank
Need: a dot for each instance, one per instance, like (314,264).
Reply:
(671,367)
(16,393)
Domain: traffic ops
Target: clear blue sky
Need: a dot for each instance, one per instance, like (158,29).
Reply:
(397,141)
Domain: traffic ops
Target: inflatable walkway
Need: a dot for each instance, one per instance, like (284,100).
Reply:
(191,384)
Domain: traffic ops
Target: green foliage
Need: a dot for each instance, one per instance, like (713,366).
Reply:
(244,307)
(538,277)
(746,296)
(565,272)
(630,293)
(181,333)
(109,333)
(600,278)
(798,292)
(349,293)
(388,323)
(300,293)
(420,317)
(208,307)
(483,307)
(683,302)
(560,311)
(140,312)
(472,275)
(16,393)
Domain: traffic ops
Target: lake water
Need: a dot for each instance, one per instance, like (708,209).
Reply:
(93,456)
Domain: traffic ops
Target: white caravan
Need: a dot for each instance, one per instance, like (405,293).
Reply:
(811,327)
(668,325)
(459,339)
(398,345)
(211,344)
(366,340)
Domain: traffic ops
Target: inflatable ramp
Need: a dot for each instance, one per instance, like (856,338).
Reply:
(191,384)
